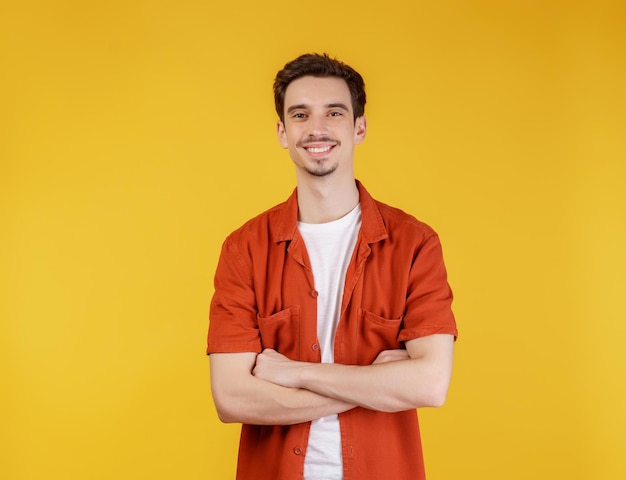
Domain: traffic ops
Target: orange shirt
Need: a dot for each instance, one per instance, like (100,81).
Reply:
(396,289)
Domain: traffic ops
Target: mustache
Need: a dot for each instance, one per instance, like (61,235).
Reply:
(313,139)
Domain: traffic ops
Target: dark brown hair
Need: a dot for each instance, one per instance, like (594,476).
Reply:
(316,65)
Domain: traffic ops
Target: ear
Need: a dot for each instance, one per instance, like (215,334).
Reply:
(360,129)
(282,134)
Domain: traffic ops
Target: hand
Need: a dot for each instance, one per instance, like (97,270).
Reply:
(391,356)
(274,367)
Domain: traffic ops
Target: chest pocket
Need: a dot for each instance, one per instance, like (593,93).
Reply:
(376,334)
(281,332)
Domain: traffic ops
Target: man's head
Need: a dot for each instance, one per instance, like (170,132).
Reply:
(316,65)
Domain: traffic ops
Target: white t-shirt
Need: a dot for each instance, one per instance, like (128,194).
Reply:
(330,247)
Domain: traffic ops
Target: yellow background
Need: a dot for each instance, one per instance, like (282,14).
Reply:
(135,135)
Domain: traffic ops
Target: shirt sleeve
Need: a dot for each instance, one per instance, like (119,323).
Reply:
(429,296)
(233,324)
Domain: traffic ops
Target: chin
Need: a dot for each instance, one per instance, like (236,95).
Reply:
(322,170)
(321,173)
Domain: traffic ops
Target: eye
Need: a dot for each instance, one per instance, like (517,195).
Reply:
(299,115)
(336,114)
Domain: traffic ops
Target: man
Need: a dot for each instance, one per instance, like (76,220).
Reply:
(331,319)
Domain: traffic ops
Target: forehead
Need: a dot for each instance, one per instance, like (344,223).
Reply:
(315,91)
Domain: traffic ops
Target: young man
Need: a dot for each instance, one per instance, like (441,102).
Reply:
(331,319)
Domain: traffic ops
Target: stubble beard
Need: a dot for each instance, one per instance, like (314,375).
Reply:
(321,170)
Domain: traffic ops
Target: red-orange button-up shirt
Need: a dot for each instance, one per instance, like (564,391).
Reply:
(395,290)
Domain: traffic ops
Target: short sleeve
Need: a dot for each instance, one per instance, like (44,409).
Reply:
(233,324)
(429,296)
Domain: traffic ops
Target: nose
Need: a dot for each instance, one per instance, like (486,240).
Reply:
(318,125)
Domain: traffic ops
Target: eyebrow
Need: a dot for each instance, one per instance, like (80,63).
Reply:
(296,107)
(302,106)
(338,105)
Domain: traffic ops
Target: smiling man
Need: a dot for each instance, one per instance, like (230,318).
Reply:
(331,320)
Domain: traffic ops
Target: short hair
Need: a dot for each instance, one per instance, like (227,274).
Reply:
(319,65)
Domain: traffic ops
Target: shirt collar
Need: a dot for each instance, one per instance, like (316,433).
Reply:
(285,220)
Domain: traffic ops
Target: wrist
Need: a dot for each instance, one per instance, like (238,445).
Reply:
(306,375)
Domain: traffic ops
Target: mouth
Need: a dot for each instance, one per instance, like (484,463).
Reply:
(319,148)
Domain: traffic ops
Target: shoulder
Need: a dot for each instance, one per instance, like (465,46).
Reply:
(382,221)
(398,222)
(261,229)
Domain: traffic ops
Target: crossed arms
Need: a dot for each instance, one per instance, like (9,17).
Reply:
(270,389)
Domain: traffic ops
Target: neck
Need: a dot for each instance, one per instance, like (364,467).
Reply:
(326,199)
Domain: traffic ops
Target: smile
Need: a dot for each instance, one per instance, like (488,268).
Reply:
(319,149)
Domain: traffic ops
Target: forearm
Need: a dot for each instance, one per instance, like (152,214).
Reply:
(388,387)
(420,379)
(240,397)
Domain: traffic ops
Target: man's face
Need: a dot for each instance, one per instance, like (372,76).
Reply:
(319,127)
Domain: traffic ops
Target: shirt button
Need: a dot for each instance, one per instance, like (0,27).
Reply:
(314,293)
(297,451)
(315,347)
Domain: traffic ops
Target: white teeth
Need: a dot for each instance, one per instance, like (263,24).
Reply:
(318,149)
